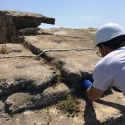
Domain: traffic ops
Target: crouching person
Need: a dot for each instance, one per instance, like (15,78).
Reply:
(110,70)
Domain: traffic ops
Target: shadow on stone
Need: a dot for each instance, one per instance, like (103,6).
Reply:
(121,108)
(34,102)
(89,114)
(119,120)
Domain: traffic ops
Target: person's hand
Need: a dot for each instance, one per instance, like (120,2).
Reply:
(86,84)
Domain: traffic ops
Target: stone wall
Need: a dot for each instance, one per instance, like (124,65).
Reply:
(11,22)
(7,29)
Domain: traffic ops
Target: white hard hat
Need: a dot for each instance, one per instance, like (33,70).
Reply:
(108,32)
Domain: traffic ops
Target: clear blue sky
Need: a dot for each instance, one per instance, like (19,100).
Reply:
(72,13)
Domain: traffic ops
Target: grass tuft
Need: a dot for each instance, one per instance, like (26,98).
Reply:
(4,50)
(70,106)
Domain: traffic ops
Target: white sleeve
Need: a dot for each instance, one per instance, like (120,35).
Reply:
(102,77)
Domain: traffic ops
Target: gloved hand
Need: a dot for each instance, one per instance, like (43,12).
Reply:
(86,84)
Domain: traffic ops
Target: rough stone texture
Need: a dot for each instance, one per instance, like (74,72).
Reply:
(25,19)
(20,102)
(12,21)
(58,118)
(108,109)
(30,31)
(17,102)
(32,88)
(49,116)
(101,112)
(74,65)
(7,29)
(20,70)
(27,118)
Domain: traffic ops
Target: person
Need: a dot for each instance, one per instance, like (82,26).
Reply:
(110,70)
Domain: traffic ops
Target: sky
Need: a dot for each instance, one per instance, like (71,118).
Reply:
(72,13)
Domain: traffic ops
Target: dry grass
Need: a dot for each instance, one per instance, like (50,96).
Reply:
(3,49)
(70,106)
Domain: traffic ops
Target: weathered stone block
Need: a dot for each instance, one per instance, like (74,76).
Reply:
(7,29)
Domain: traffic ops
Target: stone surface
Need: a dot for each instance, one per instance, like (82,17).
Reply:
(12,21)
(102,112)
(27,118)
(20,70)
(33,88)
(30,31)
(7,29)
(24,19)
(19,102)
(58,118)
(74,65)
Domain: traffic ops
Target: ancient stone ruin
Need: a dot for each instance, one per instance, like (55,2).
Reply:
(13,23)
(41,72)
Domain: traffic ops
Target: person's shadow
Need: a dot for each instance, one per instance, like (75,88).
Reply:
(120,107)
(89,113)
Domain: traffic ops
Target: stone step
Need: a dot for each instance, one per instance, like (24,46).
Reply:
(74,65)
(19,102)
(20,71)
